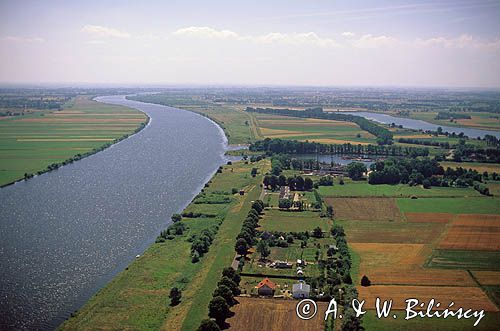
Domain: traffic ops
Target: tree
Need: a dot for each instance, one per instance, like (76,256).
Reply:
(356,170)
(426,183)
(219,310)
(176,218)
(329,211)
(308,184)
(231,274)
(208,325)
(284,203)
(175,296)
(241,246)
(226,293)
(258,205)
(365,281)
(263,249)
(317,232)
(226,281)
(254,172)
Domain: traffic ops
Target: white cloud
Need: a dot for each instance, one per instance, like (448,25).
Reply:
(205,32)
(105,31)
(297,39)
(371,41)
(24,39)
(269,38)
(463,41)
(348,34)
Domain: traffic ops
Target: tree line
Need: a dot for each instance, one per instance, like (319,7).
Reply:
(277,146)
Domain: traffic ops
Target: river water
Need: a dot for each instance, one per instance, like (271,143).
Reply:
(66,233)
(422,125)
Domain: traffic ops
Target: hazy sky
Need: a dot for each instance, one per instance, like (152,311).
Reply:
(290,42)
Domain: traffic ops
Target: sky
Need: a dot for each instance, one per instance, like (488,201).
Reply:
(292,42)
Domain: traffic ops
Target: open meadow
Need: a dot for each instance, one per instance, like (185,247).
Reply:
(30,143)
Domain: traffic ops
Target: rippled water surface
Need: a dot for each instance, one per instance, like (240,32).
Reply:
(66,233)
(419,124)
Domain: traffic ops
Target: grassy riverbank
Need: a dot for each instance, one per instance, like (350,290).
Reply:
(31,143)
(138,297)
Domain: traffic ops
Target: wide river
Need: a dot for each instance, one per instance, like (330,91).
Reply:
(66,233)
(422,125)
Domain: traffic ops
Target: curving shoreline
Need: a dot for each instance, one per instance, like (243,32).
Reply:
(87,222)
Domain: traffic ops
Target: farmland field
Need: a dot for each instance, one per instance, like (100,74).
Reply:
(29,144)
(469,232)
(391,232)
(271,315)
(363,189)
(483,205)
(461,259)
(324,131)
(371,322)
(365,209)
(471,297)
(290,221)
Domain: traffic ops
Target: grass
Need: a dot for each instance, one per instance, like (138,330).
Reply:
(30,143)
(371,322)
(459,259)
(326,131)
(290,221)
(480,205)
(480,167)
(363,189)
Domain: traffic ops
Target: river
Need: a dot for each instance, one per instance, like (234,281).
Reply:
(66,233)
(422,125)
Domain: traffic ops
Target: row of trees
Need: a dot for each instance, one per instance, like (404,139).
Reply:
(222,301)
(296,183)
(247,236)
(383,135)
(277,146)
(425,142)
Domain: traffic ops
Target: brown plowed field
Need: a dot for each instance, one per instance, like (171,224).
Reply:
(429,217)
(272,315)
(466,297)
(365,209)
(473,232)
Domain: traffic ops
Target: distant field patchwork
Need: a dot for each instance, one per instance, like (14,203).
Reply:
(31,143)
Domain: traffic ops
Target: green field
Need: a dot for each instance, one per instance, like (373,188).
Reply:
(480,205)
(291,221)
(363,189)
(456,259)
(30,143)
(138,297)
(371,322)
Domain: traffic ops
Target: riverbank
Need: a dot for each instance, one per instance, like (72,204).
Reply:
(38,144)
(68,233)
(138,297)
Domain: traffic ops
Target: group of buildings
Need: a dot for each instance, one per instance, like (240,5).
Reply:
(300,290)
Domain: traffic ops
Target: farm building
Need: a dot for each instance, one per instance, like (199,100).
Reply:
(266,287)
(282,265)
(301,290)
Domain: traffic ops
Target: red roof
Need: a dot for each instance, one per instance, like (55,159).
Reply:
(267,282)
